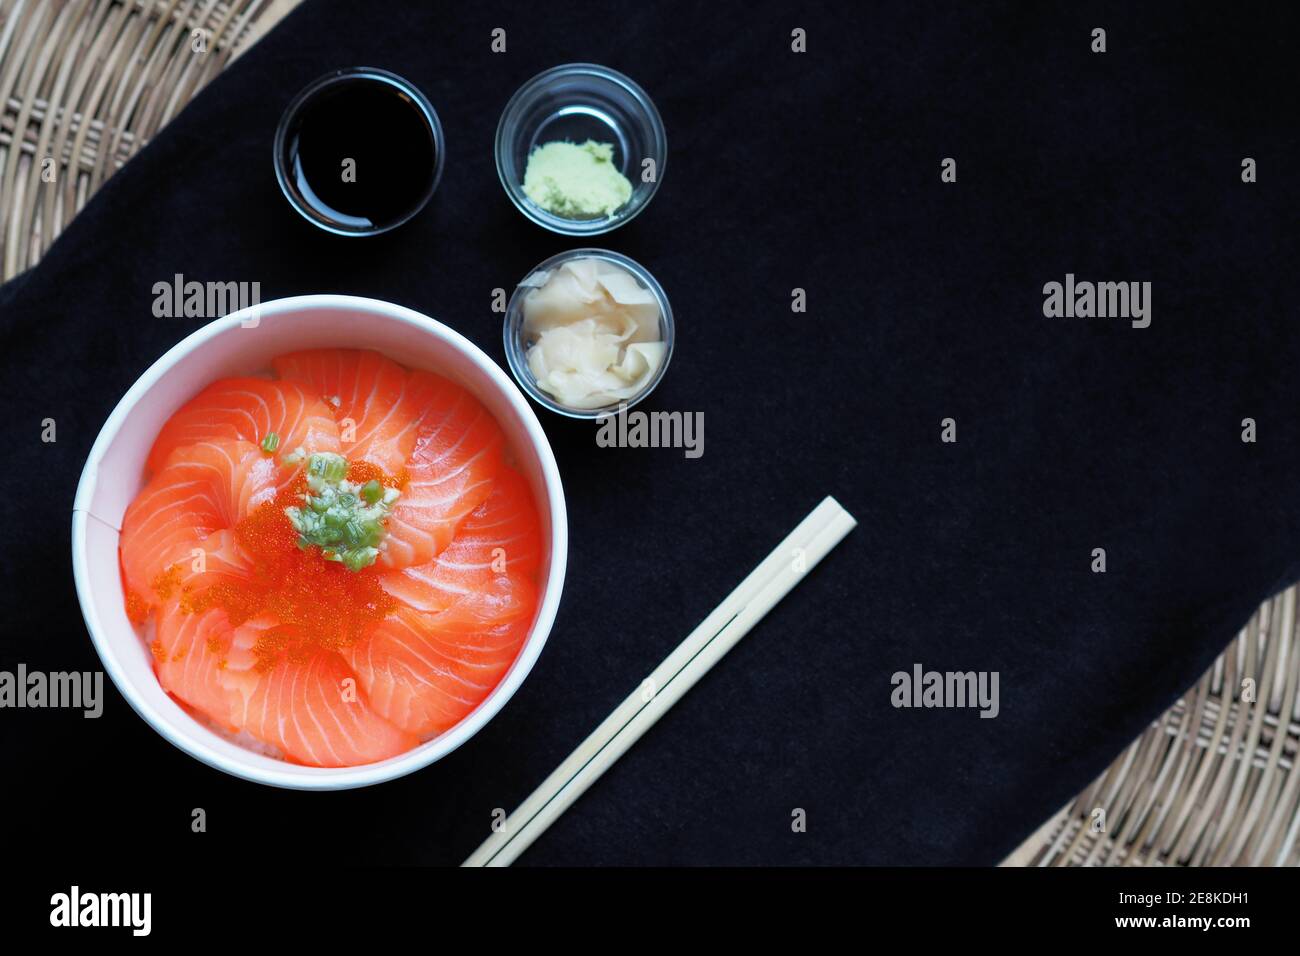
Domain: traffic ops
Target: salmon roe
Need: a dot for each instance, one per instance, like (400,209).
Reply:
(137,608)
(317,603)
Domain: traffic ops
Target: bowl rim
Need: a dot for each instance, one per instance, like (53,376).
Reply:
(558,224)
(314,89)
(327,778)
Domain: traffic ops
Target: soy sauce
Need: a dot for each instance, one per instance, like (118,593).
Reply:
(361,152)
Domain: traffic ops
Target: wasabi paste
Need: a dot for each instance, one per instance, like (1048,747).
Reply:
(576,182)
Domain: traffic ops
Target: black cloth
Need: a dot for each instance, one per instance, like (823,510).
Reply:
(818,171)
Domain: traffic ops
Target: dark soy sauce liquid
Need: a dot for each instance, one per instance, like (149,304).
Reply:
(386,135)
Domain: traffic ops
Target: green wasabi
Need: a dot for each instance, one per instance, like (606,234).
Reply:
(576,182)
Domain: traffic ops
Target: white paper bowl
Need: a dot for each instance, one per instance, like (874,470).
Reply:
(233,345)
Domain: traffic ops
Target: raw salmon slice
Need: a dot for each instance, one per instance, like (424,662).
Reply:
(426,672)
(501,535)
(202,489)
(188,653)
(308,707)
(375,414)
(222,561)
(248,409)
(457,455)
(217,559)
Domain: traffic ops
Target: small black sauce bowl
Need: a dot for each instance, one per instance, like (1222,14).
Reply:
(286,146)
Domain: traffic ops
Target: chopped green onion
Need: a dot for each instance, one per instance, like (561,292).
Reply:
(328,467)
(359,558)
(343,519)
(270,443)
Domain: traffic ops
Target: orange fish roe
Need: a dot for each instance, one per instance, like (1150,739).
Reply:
(359,472)
(137,608)
(318,603)
(165,583)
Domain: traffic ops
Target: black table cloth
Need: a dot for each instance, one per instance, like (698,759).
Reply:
(819,171)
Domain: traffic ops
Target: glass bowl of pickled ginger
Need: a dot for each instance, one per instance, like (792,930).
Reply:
(588,332)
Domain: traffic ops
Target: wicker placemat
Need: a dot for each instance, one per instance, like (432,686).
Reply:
(85,83)
(1213,782)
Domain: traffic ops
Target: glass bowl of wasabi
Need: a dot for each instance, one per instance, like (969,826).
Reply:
(580,149)
(588,332)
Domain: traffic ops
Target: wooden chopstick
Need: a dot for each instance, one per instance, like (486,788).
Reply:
(775,576)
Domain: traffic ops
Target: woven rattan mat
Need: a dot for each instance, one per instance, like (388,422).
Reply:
(85,83)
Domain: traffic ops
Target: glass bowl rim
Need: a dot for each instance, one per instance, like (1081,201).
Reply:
(312,90)
(580,227)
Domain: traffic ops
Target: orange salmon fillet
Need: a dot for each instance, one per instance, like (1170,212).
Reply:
(202,489)
(456,457)
(248,409)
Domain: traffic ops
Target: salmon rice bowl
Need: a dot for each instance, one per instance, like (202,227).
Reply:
(333,560)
